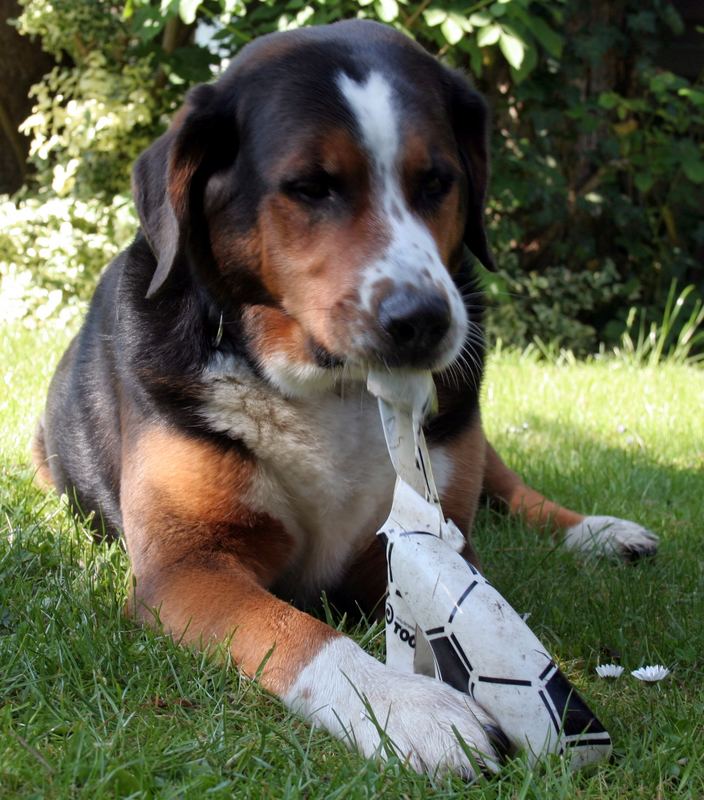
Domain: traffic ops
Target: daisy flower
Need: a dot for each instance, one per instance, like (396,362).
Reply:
(651,674)
(609,671)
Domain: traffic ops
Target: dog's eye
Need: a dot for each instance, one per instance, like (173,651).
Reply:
(311,189)
(433,186)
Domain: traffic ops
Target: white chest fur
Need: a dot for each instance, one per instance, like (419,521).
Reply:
(323,469)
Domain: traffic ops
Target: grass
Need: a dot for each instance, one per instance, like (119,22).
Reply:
(93,706)
(679,332)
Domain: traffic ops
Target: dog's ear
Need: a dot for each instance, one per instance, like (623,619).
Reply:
(169,178)
(469,121)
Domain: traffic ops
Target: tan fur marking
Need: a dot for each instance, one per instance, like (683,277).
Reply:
(232,252)
(204,606)
(311,262)
(200,555)
(184,498)
(272,332)
(42,476)
(502,483)
(461,496)
(446,225)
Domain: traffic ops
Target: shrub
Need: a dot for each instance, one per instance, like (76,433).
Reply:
(52,250)
(598,161)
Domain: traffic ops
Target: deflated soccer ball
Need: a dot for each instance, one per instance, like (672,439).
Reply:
(482,647)
(444,617)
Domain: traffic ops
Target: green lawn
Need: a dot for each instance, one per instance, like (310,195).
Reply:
(92,706)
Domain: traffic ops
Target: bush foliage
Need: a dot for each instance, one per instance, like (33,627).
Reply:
(598,161)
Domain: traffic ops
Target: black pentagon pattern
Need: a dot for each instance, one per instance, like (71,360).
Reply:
(451,668)
(452,663)
(568,712)
(576,717)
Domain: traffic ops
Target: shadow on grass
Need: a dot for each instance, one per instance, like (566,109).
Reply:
(594,476)
(588,609)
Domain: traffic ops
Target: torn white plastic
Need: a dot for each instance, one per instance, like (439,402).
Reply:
(441,611)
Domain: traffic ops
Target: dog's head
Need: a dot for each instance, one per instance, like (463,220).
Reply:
(323,191)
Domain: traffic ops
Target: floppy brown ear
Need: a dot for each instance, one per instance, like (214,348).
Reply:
(470,121)
(169,178)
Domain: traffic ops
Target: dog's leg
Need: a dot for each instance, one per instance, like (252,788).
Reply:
(202,558)
(42,474)
(461,490)
(594,534)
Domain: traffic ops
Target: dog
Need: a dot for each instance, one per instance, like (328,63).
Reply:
(305,217)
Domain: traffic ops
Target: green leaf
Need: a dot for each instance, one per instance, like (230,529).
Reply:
(304,15)
(462,21)
(694,170)
(148,23)
(434,17)
(530,62)
(475,57)
(451,30)
(643,181)
(480,19)
(513,49)
(609,100)
(694,95)
(489,35)
(548,38)
(387,10)
(664,81)
(673,20)
(187,10)
(190,64)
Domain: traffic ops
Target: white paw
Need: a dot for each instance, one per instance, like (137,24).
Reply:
(381,711)
(611,536)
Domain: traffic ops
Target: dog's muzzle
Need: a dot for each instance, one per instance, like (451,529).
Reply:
(414,325)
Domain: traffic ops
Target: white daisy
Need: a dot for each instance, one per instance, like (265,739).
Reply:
(609,671)
(651,674)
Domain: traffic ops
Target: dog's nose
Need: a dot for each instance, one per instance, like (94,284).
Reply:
(415,321)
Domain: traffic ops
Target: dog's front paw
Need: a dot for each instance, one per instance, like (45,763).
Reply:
(611,536)
(382,712)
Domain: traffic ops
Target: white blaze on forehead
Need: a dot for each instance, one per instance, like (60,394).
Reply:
(411,257)
(371,103)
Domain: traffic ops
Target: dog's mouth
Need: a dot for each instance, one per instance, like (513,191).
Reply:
(302,356)
(324,359)
(408,328)
(403,351)
(323,368)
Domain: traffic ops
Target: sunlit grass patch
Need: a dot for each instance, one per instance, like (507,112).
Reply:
(93,706)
